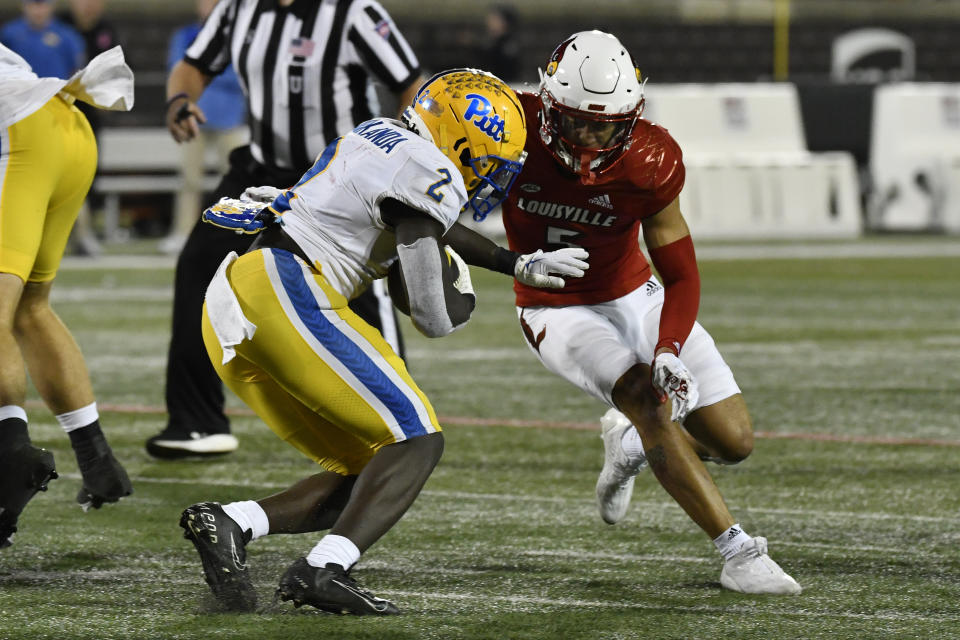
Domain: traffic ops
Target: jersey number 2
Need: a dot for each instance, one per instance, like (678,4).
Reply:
(432,189)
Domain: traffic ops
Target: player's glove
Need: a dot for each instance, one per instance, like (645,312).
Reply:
(463,283)
(534,269)
(265,194)
(671,378)
(240,216)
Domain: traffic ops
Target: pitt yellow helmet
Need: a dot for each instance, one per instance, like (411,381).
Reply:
(476,120)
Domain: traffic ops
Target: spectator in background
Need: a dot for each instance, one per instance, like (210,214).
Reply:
(51,48)
(500,50)
(224,106)
(99,35)
(497,48)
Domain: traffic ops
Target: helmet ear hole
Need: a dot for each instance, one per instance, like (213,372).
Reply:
(465,156)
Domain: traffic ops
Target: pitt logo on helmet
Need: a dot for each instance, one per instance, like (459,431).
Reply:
(477,114)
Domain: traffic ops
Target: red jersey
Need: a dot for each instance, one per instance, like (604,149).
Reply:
(549,208)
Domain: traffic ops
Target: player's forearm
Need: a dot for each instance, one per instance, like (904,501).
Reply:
(437,308)
(479,251)
(677,265)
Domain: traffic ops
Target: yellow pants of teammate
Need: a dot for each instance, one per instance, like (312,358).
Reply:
(47,163)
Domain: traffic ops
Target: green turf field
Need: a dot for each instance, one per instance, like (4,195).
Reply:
(850,366)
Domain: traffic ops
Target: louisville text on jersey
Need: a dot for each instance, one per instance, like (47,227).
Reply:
(566,212)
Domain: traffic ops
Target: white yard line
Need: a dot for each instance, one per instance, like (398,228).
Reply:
(881,247)
(554,424)
(897,616)
(112,294)
(565,603)
(514,498)
(782,607)
(123,262)
(900,248)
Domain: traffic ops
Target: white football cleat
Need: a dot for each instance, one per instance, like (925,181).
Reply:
(615,484)
(753,571)
(169,445)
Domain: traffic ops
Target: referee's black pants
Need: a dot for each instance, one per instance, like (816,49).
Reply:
(194,392)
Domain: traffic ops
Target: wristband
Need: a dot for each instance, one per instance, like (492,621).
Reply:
(172,99)
(504,261)
(669,343)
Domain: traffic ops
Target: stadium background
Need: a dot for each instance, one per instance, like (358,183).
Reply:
(845,349)
(673,41)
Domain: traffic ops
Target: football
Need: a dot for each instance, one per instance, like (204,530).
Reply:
(397,286)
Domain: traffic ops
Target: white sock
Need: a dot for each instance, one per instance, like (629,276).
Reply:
(729,542)
(335,549)
(631,444)
(12,411)
(73,420)
(250,516)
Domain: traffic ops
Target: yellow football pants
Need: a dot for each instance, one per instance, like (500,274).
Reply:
(47,163)
(319,376)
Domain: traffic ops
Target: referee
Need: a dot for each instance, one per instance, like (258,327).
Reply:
(307,69)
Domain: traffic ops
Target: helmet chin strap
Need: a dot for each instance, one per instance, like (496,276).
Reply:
(580,166)
(587,176)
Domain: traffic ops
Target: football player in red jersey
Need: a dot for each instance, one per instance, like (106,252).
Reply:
(597,175)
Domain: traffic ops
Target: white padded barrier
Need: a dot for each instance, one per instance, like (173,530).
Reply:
(749,173)
(140,160)
(872,54)
(915,158)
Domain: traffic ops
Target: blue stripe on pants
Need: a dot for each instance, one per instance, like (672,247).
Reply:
(343,349)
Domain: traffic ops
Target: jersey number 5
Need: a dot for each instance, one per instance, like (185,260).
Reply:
(558,237)
(432,189)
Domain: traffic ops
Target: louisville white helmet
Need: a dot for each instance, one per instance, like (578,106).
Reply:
(592,96)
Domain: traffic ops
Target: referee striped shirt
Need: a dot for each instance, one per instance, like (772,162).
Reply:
(306,69)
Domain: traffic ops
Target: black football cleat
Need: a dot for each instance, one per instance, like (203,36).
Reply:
(104,478)
(222,548)
(24,470)
(330,589)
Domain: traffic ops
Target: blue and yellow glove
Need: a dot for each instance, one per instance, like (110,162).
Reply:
(239,216)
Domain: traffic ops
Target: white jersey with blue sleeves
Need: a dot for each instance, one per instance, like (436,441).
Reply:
(333,213)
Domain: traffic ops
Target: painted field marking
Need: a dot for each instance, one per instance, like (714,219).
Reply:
(139,576)
(664,505)
(902,247)
(896,616)
(461,421)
